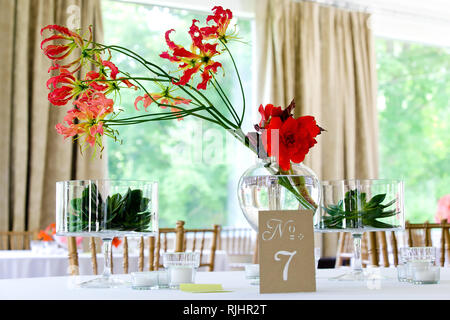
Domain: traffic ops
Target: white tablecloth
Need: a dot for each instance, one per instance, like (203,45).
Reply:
(62,288)
(27,264)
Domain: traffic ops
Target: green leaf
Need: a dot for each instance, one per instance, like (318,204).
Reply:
(354,207)
(376,200)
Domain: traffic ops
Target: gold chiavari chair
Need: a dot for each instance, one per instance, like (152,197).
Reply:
(385,244)
(155,245)
(196,240)
(17,240)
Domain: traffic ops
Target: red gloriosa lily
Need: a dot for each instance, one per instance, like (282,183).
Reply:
(164,98)
(72,40)
(89,114)
(222,18)
(200,58)
(64,87)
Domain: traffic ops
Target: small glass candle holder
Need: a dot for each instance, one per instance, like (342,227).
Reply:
(425,274)
(252,273)
(144,280)
(402,269)
(163,279)
(181,267)
(419,258)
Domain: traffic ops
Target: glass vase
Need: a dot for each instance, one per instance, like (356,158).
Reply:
(358,206)
(262,188)
(106,209)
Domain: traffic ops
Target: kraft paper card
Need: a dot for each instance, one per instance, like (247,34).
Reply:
(286,251)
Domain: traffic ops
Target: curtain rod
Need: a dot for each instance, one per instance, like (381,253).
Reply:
(374,9)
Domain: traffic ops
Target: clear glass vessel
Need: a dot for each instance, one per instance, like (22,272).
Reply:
(261,188)
(106,209)
(181,267)
(357,206)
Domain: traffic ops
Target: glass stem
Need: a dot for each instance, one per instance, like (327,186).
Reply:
(107,257)
(357,263)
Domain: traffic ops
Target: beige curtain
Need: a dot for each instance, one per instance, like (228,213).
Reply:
(324,58)
(33,156)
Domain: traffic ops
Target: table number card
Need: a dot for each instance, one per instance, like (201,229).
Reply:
(286,251)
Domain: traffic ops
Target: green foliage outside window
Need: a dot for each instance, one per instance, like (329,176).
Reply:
(414,117)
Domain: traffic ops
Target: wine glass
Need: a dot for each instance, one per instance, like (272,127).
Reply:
(106,209)
(358,206)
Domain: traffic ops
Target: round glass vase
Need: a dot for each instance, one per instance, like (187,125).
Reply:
(261,187)
(357,206)
(106,209)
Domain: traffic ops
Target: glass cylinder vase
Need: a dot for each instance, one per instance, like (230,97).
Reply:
(358,206)
(106,209)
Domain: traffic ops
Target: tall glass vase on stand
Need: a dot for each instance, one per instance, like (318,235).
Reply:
(106,209)
(358,206)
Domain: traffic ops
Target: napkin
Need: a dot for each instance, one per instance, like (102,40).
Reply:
(202,288)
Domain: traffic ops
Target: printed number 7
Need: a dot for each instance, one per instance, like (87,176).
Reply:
(286,266)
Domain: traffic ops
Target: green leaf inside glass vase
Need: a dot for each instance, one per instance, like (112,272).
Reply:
(127,212)
(354,209)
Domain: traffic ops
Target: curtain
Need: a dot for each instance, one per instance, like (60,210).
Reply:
(33,156)
(324,58)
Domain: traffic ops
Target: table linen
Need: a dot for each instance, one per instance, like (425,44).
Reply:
(64,288)
(28,264)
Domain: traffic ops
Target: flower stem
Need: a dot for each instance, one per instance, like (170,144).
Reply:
(240,82)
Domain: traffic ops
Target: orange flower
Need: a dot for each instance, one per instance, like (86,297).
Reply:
(116,242)
(163,97)
(89,114)
(48,233)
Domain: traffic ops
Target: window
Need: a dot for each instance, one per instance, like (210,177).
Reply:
(197,179)
(414,117)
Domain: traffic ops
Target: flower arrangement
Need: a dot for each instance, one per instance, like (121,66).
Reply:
(176,94)
(48,234)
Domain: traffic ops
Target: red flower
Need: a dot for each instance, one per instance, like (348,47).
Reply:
(71,40)
(222,20)
(267,113)
(286,138)
(61,51)
(64,87)
(116,242)
(200,58)
(106,80)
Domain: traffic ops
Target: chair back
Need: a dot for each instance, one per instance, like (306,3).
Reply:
(240,244)
(176,238)
(383,246)
(16,240)
(200,240)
